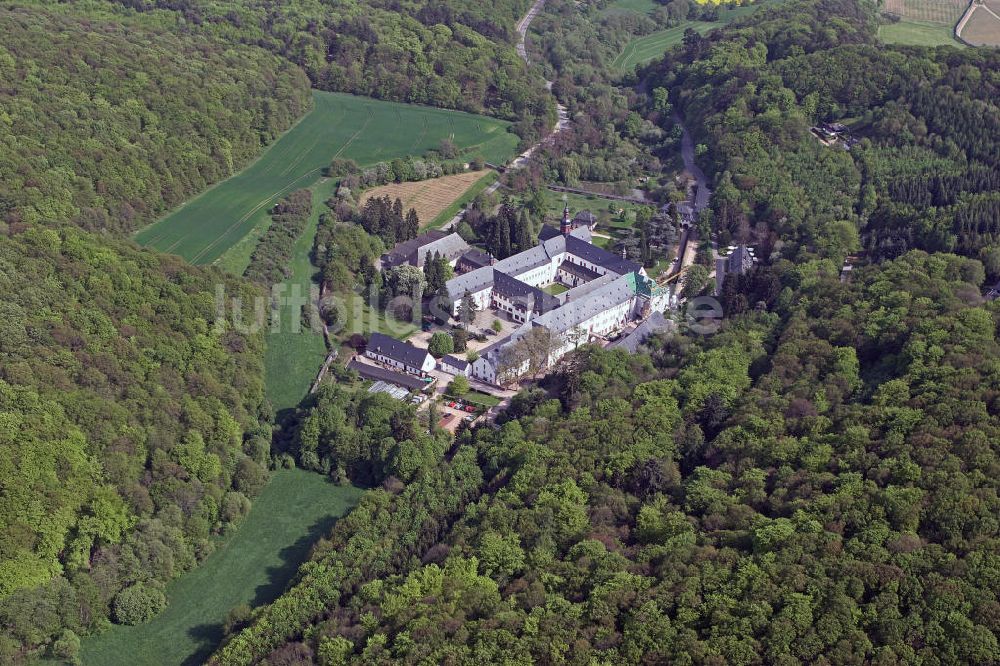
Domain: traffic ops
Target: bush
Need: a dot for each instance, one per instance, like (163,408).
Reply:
(138,603)
(441,344)
(67,647)
(459,386)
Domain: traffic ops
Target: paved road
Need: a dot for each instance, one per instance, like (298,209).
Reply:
(687,154)
(562,120)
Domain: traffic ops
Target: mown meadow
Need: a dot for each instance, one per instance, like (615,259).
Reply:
(251,566)
(358,128)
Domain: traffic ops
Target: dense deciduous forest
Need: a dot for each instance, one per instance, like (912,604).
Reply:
(921,175)
(132,429)
(109,122)
(450,53)
(818,482)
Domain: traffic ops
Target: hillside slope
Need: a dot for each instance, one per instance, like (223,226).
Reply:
(108,123)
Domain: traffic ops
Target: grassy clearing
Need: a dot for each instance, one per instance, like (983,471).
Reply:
(631,6)
(293,356)
(918,34)
(428,197)
(641,50)
(649,47)
(477,398)
(252,566)
(339,125)
(451,211)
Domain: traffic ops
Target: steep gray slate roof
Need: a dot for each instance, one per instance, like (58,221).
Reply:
(367,371)
(576,311)
(523,262)
(576,293)
(515,290)
(397,350)
(401,253)
(472,282)
(585,217)
(475,259)
(450,247)
(599,256)
(455,362)
(581,272)
(654,323)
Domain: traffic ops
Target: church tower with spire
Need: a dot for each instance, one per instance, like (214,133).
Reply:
(566,225)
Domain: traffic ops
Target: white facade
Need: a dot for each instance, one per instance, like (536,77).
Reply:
(425,367)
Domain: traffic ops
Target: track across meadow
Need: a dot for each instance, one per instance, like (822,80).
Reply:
(358,128)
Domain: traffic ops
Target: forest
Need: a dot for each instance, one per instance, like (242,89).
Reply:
(814,484)
(818,482)
(444,53)
(921,175)
(109,123)
(134,430)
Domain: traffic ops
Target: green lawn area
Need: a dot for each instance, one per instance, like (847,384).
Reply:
(919,34)
(555,201)
(252,566)
(359,128)
(478,398)
(555,289)
(649,47)
(634,6)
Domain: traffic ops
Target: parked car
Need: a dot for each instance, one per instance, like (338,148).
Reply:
(470,408)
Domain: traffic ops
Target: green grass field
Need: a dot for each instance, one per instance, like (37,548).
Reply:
(252,566)
(293,357)
(915,33)
(643,49)
(339,125)
(633,6)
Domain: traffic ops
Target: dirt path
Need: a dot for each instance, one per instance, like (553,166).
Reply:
(562,120)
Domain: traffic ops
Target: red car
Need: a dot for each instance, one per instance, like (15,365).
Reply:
(470,408)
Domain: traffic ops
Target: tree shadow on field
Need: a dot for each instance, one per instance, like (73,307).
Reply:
(209,635)
(291,557)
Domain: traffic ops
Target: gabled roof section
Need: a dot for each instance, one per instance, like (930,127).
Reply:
(475,258)
(472,282)
(377,373)
(575,312)
(599,256)
(450,247)
(397,350)
(455,362)
(532,297)
(402,252)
